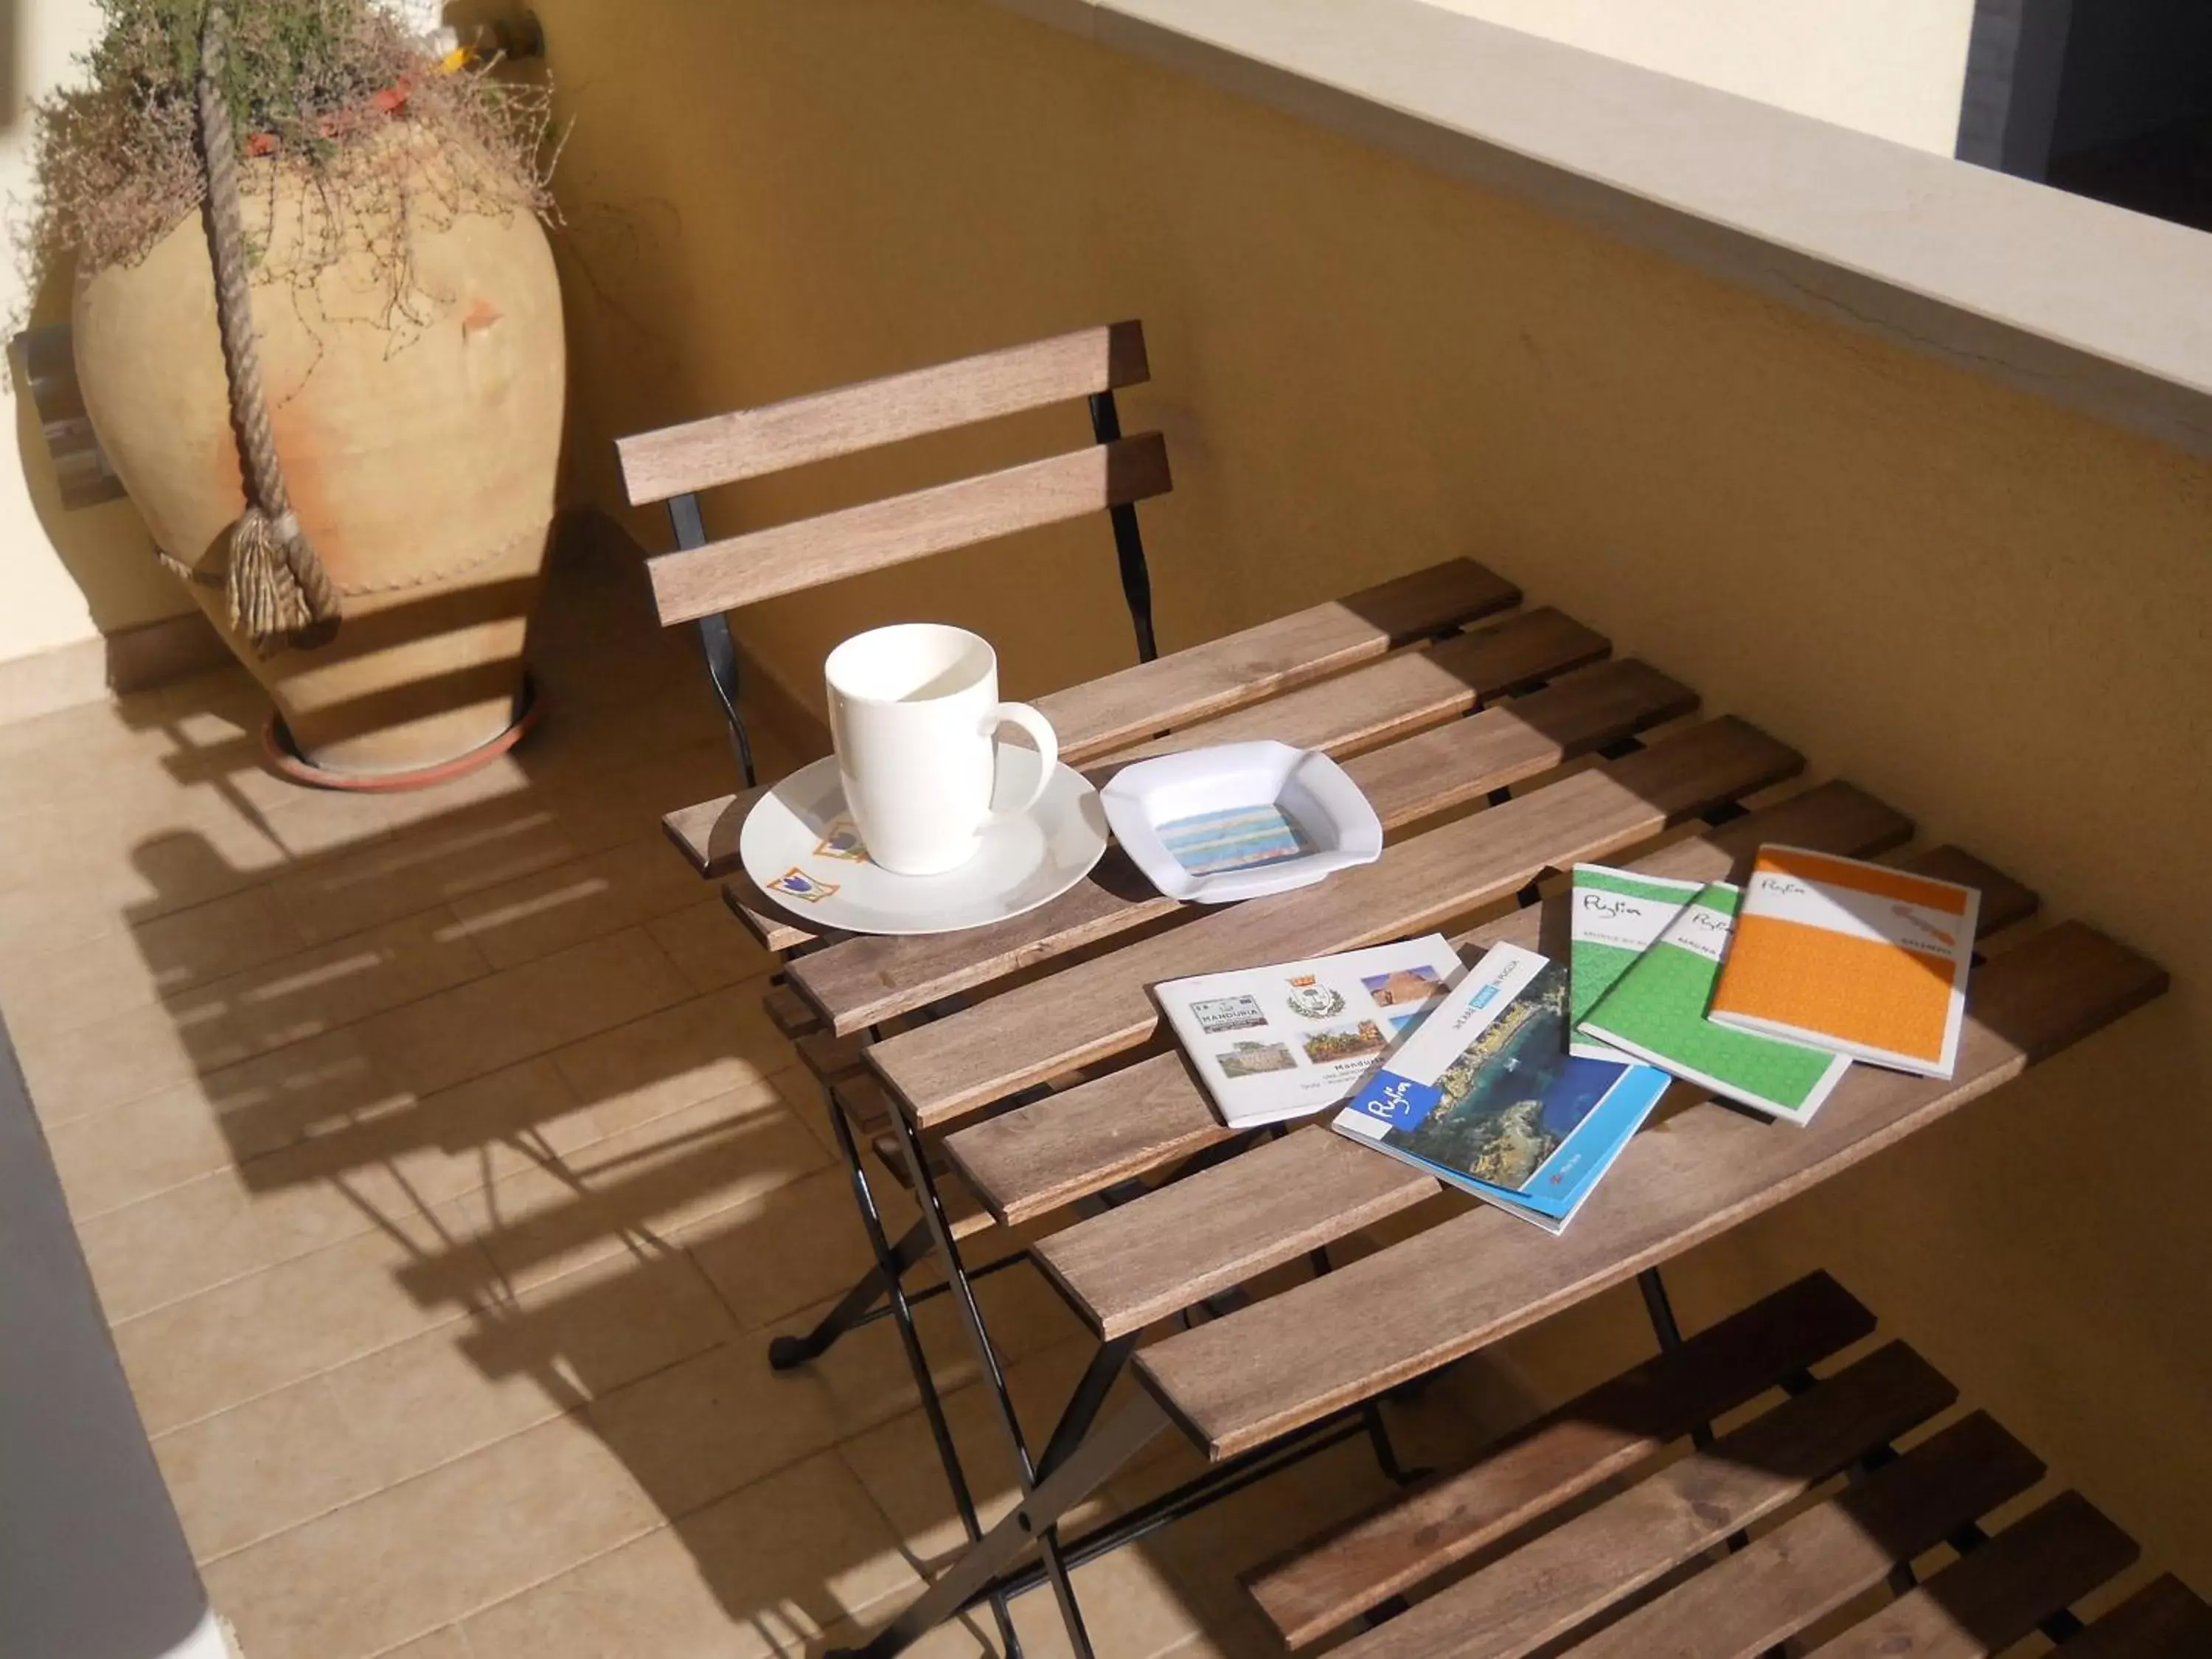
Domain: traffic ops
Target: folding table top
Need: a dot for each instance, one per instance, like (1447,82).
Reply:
(1498,746)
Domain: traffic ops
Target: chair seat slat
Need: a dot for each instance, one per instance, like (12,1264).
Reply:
(2165,1619)
(1815,1563)
(829,1056)
(1983,1602)
(789,1013)
(1550,1585)
(1271,658)
(1600,1434)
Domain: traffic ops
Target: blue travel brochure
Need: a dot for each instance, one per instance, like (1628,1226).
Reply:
(1483,1094)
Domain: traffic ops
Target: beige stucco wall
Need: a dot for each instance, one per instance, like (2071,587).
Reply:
(64,577)
(1894,68)
(1991,611)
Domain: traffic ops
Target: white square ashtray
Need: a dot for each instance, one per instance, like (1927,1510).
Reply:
(1240,820)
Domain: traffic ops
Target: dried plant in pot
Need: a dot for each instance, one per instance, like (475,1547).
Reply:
(319,333)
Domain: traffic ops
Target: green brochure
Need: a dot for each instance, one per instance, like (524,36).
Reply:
(1656,1011)
(1615,915)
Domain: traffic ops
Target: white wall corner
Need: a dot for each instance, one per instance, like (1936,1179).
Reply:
(211,1639)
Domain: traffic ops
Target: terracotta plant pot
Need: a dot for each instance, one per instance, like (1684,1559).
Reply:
(419,427)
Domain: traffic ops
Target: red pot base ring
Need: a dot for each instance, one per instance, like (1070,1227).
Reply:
(287,761)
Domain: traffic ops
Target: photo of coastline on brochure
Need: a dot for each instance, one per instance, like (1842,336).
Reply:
(1515,1094)
(1483,1094)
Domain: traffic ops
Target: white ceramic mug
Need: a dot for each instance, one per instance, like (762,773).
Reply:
(914,711)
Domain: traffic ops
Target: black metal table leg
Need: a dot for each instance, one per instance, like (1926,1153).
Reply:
(1086,1469)
(1074,1461)
(889,1267)
(971,1314)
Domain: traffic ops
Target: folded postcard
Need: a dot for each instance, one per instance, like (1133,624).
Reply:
(1613,916)
(1278,1042)
(1860,958)
(1484,1095)
(1656,1012)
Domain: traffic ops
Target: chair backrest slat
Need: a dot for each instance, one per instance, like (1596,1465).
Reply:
(745,569)
(747,443)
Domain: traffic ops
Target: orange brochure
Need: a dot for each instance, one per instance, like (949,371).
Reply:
(1857,958)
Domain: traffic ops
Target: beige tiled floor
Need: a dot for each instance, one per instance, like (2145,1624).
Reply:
(444,1184)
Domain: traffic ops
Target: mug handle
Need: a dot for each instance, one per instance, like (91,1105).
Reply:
(1041,733)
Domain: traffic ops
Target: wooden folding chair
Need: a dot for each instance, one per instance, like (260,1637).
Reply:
(705,579)
(1594,1533)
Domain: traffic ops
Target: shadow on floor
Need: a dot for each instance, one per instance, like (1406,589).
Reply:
(494,1052)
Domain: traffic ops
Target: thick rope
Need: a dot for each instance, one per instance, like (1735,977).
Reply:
(280,594)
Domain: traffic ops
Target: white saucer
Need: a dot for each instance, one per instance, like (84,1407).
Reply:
(799,847)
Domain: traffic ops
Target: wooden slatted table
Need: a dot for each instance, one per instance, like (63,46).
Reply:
(1500,746)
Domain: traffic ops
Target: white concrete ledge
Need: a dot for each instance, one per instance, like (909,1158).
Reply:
(2087,305)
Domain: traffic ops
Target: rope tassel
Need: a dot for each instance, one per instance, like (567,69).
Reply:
(280,594)
(267,604)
